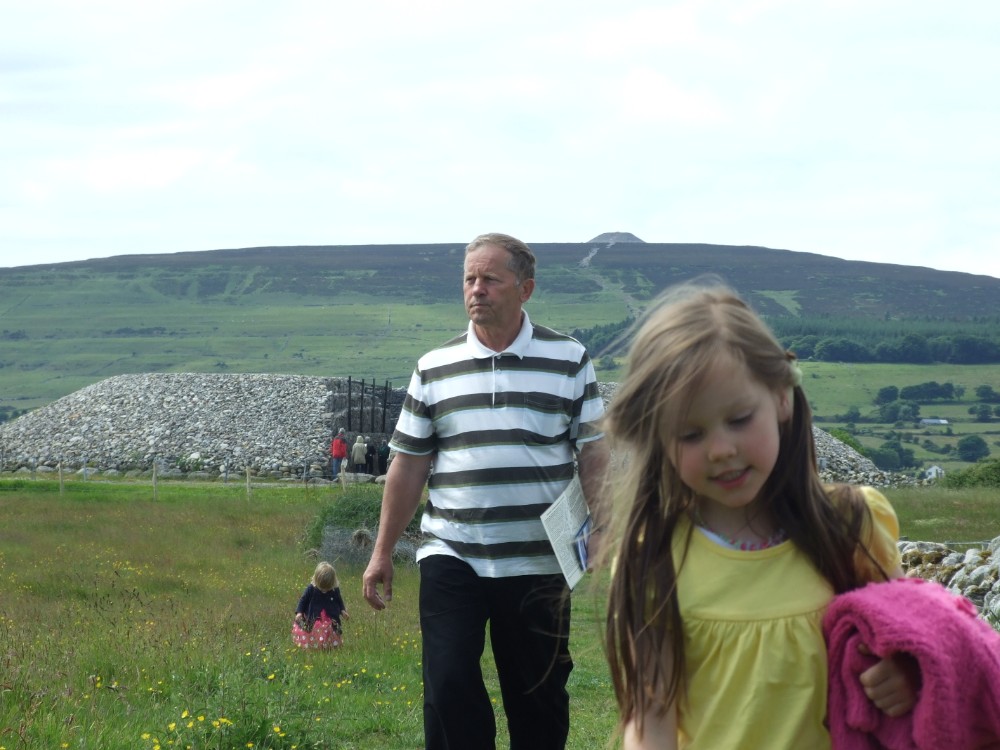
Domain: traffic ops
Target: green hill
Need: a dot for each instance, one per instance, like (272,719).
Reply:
(369,311)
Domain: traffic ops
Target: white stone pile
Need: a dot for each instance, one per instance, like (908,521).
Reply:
(972,570)
(207,423)
(184,422)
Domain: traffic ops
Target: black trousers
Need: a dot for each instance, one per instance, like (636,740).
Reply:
(529,619)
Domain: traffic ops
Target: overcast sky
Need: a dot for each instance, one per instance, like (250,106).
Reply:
(865,129)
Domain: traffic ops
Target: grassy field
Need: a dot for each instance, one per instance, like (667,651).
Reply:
(62,352)
(833,388)
(129,623)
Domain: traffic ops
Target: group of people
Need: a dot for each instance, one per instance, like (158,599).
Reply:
(723,547)
(363,457)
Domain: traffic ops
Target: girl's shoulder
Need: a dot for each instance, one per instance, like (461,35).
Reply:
(849,498)
(879,527)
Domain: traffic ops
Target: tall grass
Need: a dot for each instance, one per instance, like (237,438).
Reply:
(959,516)
(129,623)
(132,623)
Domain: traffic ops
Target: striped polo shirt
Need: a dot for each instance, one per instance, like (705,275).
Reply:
(502,428)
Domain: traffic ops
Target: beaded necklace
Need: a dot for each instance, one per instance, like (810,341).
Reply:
(732,542)
(773,540)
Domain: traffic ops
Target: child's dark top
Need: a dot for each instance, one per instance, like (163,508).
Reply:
(313,601)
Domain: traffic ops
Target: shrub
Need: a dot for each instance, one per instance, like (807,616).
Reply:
(848,439)
(358,507)
(972,448)
(984,474)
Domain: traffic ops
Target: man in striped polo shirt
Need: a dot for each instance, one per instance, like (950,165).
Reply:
(494,422)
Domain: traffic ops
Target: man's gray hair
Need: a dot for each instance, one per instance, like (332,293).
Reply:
(522,259)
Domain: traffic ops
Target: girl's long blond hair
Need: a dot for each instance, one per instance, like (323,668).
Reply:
(675,345)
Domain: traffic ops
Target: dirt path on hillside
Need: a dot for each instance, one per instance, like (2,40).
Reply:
(633,307)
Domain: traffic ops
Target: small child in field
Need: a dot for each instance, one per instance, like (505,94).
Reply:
(321,603)
(726,546)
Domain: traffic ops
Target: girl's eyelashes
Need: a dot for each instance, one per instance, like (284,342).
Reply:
(692,435)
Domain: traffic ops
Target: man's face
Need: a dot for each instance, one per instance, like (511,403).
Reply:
(493,298)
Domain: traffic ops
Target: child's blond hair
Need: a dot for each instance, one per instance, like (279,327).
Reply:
(325,577)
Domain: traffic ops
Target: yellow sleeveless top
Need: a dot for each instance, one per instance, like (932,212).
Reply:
(756,659)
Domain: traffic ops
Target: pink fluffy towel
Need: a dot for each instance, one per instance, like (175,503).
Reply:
(958,707)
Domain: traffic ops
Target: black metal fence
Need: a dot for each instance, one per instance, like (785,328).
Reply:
(369,408)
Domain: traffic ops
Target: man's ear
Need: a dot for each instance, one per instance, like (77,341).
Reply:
(527,287)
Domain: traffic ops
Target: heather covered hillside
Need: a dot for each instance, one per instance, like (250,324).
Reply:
(369,311)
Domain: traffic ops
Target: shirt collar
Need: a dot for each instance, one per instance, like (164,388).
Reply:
(519,347)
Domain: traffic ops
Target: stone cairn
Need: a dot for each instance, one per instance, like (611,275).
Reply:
(205,426)
(191,425)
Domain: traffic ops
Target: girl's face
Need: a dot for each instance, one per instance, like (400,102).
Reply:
(728,444)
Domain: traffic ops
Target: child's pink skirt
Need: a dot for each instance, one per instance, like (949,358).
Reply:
(322,635)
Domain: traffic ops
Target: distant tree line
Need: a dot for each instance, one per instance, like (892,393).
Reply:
(890,341)
(896,404)
(851,340)
(604,340)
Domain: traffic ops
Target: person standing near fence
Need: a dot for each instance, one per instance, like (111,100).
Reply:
(358,452)
(501,414)
(383,457)
(371,456)
(338,452)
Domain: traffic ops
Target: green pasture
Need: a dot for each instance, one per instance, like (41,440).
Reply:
(72,327)
(141,624)
(833,387)
(57,351)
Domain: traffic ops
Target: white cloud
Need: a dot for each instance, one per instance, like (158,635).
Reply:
(852,129)
(650,97)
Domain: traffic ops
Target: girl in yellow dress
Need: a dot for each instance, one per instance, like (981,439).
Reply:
(727,547)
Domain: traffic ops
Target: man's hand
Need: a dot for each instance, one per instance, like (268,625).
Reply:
(379,571)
